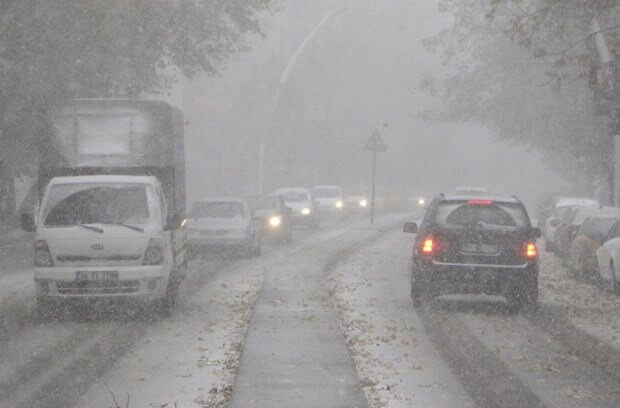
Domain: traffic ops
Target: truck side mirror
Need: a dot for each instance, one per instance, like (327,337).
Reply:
(27,222)
(410,228)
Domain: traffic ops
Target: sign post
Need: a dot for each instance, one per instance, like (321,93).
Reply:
(375,144)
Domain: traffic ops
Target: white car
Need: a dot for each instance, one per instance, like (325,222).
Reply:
(224,224)
(303,207)
(331,201)
(561,208)
(608,258)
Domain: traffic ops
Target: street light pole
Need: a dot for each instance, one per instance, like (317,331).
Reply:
(283,78)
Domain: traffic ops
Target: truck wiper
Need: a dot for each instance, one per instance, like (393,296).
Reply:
(90,227)
(133,227)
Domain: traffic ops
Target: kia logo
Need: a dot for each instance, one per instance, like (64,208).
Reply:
(97,247)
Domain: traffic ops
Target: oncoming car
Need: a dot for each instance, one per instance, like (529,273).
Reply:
(275,215)
(224,224)
(358,204)
(473,244)
(303,209)
(331,201)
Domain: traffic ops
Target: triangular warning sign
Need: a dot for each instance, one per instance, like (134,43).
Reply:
(375,144)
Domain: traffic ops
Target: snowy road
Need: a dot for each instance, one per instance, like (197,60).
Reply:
(326,321)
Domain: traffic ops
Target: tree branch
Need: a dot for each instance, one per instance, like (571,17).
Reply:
(566,50)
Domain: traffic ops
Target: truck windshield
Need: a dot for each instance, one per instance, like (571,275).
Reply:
(94,203)
(213,209)
(324,192)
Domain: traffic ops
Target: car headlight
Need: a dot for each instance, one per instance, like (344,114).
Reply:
(305,211)
(339,204)
(363,203)
(275,221)
(421,201)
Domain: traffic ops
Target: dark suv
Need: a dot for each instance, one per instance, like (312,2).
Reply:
(473,244)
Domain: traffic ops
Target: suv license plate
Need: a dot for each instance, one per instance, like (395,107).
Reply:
(485,249)
(97,276)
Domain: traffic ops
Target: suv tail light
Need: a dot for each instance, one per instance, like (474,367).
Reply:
(154,254)
(430,246)
(530,250)
(42,255)
(480,202)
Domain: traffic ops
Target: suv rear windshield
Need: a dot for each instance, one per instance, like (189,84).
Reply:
(495,215)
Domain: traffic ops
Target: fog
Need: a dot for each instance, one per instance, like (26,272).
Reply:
(360,72)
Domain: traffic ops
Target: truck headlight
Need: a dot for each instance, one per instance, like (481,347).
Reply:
(154,254)
(305,211)
(275,221)
(339,204)
(42,255)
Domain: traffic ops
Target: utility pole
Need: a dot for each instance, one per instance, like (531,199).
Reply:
(375,144)
(285,74)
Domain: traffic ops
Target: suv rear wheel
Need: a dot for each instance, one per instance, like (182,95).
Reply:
(525,297)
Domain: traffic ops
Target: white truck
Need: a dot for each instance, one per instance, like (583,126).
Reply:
(111,220)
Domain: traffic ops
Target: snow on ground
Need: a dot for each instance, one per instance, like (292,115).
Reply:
(191,359)
(589,306)
(395,360)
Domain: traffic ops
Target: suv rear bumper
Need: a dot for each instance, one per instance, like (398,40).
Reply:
(449,278)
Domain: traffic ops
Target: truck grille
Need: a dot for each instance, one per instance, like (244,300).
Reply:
(98,288)
(81,258)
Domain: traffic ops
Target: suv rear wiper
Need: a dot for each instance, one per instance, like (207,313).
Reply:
(90,227)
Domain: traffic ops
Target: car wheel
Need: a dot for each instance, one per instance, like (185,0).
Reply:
(614,286)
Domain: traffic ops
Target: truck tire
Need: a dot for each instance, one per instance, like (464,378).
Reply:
(167,303)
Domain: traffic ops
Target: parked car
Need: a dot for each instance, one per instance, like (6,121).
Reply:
(608,259)
(304,209)
(331,201)
(594,232)
(274,213)
(569,227)
(474,244)
(560,209)
(224,224)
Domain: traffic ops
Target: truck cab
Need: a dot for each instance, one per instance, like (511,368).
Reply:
(103,236)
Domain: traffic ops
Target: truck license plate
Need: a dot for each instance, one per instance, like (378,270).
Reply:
(97,276)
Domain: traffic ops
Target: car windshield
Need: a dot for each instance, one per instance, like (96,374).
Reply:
(327,192)
(93,203)
(217,209)
(266,203)
(295,196)
(599,226)
(498,214)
